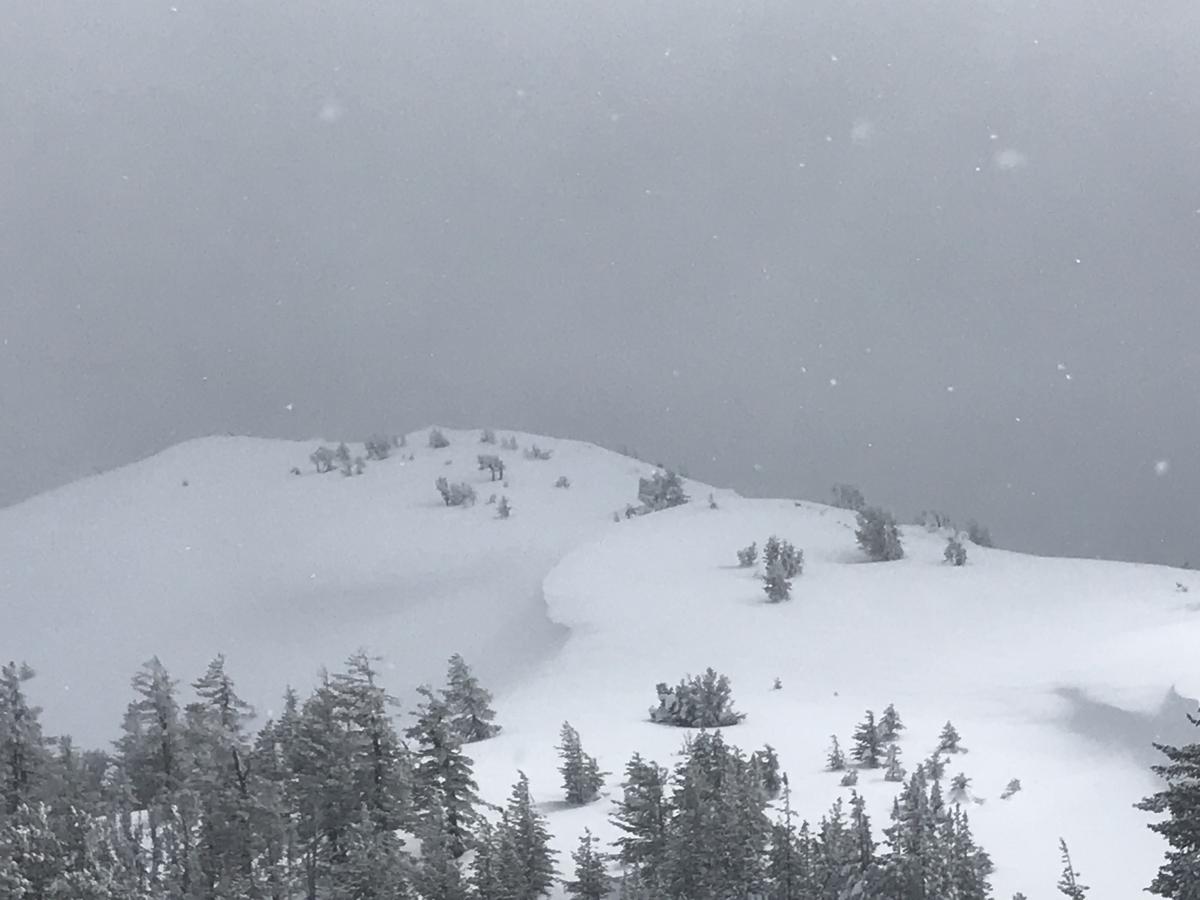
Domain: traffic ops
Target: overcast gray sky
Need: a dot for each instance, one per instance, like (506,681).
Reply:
(947,250)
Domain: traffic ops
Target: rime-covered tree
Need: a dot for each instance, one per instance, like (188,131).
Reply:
(443,784)
(487,436)
(503,508)
(835,761)
(955,552)
(791,560)
(437,440)
(493,464)
(591,881)
(1070,886)
(1179,874)
(378,446)
(978,535)
(485,879)
(890,725)
(960,785)
(878,535)
(747,556)
(469,703)
(867,746)
(582,778)
(949,740)
(322,459)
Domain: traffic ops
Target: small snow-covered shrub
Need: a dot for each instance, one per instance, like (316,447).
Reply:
(437,440)
(847,496)
(509,443)
(461,494)
(878,535)
(562,482)
(295,470)
(956,552)
(932,520)
(835,761)
(662,490)
(712,502)
(777,685)
(748,556)
(536,452)
(700,701)
(1011,788)
(494,465)
(503,508)
(487,436)
(850,778)
(378,447)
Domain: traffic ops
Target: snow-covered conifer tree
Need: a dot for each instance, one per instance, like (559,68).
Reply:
(443,784)
(776,585)
(890,725)
(836,760)
(469,703)
(894,771)
(582,778)
(526,860)
(591,881)
(867,746)
(949,740)
(1069,884)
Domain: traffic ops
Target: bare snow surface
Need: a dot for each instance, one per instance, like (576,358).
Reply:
(569,615)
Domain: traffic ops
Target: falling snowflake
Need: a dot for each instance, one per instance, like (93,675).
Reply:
(833,382)
(289,407)
(1162,467)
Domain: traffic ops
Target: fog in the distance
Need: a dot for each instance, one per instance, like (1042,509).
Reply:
(947,251)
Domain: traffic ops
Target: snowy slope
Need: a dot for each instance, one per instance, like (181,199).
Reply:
(988,646)
(286,573)
(569,615)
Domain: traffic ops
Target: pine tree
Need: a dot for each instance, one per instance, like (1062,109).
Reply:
(469,703)
(503,508)
(836,760)
(642,815)
(23,753)
(894,771)
(764,765)
(1180,800)
(948,741)
(867,746)
(955,552)
(442,779)
(747,556)
(375,756)
(591,881)
(219,778)
(31,857)
(934,767)
(878,535)
(791,866)
(775,582)
(486,877)
(372,866)
(860,871)
(437,875)
(890,725)
(1069,885)
(582,778)
(959,785)
(526,860)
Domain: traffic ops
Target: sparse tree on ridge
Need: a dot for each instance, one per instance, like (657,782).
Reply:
(776,585)
(747,556)
(956,551)
(437,440)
